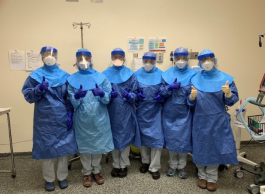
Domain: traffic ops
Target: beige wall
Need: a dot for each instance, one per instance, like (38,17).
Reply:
(228,27)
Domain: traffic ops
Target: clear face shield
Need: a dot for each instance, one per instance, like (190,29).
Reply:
(49,56)
(117,60)
(83,62)
(207,63)
(149,64)
(181,61)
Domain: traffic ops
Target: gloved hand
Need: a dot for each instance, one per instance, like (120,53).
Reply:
(69,120)
(193,93)
(227,90)
(98,92)
(140,95)
(113,93)
(80,93)
(158,97)
(44,85)
(175,85)
(126,94)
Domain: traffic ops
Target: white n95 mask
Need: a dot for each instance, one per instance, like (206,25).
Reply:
(148,66)
(181,63)
(117,62)
(50,60)
(207,65)
(84,65)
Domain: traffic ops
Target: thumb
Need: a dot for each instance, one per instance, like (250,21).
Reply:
(128,90)
(43,79)
(176,80)
(112,89)
(96,85)
(81,87)
(192,87)
(226,83)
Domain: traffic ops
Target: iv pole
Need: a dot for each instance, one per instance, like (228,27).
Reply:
(81,27)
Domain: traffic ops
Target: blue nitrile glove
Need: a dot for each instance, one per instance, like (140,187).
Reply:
(140,95)
(98,92)
(113,93)
(80,93)
(44,85)
(158,97)
(69,120)
(126,94)
(174,85)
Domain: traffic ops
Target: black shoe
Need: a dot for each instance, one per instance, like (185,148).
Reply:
(155,175)
(115,172)
(123,172)
(144,168)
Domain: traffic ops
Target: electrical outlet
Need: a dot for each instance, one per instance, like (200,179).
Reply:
(194,55)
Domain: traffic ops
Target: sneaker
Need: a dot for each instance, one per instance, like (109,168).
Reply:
(98,178)
(170,171)
(144,168)
(211,186)
(155,175)
(87,180)
(123,172)
(63,184)
(49,186)
(182,173)
(115,172)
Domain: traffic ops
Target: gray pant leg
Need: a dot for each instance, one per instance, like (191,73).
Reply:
(155,159)
(202,172)
(48,170)
(86,161)
(96,159)
(62,170)
(116,158)
(145,154)
(212,173)
(124,158)
(173,160)
(182,160)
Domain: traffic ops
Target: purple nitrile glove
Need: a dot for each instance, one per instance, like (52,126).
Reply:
(174,85)
(158,97)
(126,94)
(80,93)
(69,120)
(44,85)
(98,92)
(113,93)
(140,95)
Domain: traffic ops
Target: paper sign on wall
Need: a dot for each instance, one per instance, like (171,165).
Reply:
(135,44)
(157,44)
(33,60)
(137,63)
(17,60)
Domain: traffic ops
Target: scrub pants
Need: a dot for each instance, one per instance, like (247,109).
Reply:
(208,173)
(48,169)
(151,156)
(177,160)
(121,158)
(91,163)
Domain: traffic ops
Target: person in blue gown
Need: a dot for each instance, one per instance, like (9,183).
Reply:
(177,116)
(212,137)
(89,92)
(149,110)
(53,137)
(122,112)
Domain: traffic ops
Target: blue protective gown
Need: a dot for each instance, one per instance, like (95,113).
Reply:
(91,120)
(177,116)
(50,136)
(212,137)
(149,112)
(122,112)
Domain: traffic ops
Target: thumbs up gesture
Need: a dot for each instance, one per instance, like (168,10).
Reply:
(98,92)
(193,93)
(44,85)
(113,93)
(175,85)
(126,94)
(80,93)
(227,90)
